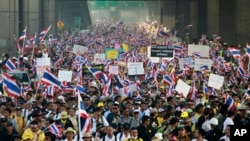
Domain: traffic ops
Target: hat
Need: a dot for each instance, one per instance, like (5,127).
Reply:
(34,122)
(18,108)
(99,125)
(87,135)
(242,107)
(137,102)
(136,111)
(61,98)
(94,84)
(184,114)
(25,58)
(161,110)
(36,113)
(29,102)
(69,129)
(159,136)
(16,135)
(181,126)
(100,104)
(116,103)
(64,114)
(213,121)
(4,119)
(126,126)
(153,110)
(189,110)
(9,124)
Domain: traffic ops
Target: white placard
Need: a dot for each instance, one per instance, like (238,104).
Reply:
(41,65)
(78,49)
(131,88)
(135,68)
(199,62)
(188,61)
(216,81)
(113,69)
(99,58)
(202,49)
(135,64)
(135,71)
(182,87)
(65,75)
(42,61)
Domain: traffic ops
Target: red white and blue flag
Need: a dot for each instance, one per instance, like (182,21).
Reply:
(229,102)
(10,65)
(83,117)
(43,33)
(23,34)
(54,129)
(10,86)
(235,52)
(50,79)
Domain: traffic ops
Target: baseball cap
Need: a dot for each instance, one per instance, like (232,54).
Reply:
(213,121)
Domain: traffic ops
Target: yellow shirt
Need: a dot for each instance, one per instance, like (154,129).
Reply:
(28,134)
(20,123)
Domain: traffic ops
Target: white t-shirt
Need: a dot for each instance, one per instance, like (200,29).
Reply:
(122,137)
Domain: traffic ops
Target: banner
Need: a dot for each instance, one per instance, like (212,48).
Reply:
(135,68)
(182,87)
(203,50)
(111,53)
(113,69)
(64,75)
(78,49)
(188,61)
(162,51)
(41,65)
(125,47)
(99,58)
(199,62)
(215,81)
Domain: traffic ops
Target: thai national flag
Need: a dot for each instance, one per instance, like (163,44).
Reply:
(84,118)
(235,52)
(80,89)
(248,50)
(196,54)
(10,64)
(58,62)
(50,79)
(168,79)
(54,129)
(33,40)
(180,73)
(204,68)
(229,102)
(241,71)
(43,33)
(51,90)
(193,92)
(10,86)
(23,34)
(96,73)
(177,47)
(217,37)
(118,82)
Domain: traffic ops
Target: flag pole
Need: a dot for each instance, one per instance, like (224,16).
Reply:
(24,41)
(33,48)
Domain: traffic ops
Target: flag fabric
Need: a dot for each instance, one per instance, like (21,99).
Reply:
(168,79)
(83,118)
(23,34)
(229,102)
(54,129)
(10,86)
(10,65)
(248,50)
(217,37)
(235,52)
(80,89)
(50,79)
(204,68)
(43,33)
(51,90)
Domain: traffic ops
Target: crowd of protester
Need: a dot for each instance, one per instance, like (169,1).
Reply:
(152,113)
